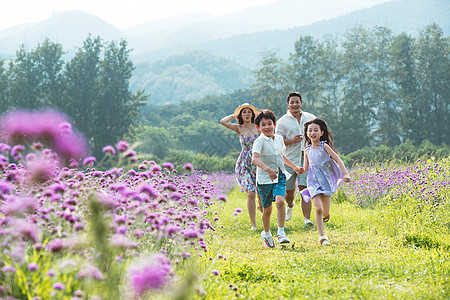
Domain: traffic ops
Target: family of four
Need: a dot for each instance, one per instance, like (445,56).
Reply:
(278,156)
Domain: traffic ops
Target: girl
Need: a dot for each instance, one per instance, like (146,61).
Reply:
(245,170)
(326,171)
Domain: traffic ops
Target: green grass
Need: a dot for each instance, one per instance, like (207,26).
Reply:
(377,253)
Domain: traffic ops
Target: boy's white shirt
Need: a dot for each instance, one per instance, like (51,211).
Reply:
(288,127)
(271,154)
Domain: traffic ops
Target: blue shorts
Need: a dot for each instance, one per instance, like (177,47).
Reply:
(269,191)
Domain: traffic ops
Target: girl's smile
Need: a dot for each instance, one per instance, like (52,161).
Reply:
(314,133)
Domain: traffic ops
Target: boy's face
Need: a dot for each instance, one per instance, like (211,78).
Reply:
(266,127)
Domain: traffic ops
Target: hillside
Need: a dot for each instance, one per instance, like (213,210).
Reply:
(189,76)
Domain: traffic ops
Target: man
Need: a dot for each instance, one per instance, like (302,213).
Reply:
(291,128)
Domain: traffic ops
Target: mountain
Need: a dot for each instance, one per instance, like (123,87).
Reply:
(399,15)
(190,76)
(69,29)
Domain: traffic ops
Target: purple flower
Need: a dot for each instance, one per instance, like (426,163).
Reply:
(90,160)
(56,245)
(90,271)
(17,206)
(58,286)
(168,165)
(155,168)
(4,147)
(188,167)
(8,269)
(215,272)
(109,150)
(150,191)
(121,241)
(122,146)
(238,210)
(149,274)
(32,266)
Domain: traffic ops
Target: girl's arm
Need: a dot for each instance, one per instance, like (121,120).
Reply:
(258,162)
(305,167)
(288,162)
(339,161)
(225,121)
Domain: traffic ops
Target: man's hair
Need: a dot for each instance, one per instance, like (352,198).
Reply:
(294,94)
(265,114)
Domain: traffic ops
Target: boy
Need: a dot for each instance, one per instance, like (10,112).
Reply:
(271,174)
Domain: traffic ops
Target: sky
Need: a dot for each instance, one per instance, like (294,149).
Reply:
(121,13)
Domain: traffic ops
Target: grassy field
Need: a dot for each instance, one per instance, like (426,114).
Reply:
(383,252)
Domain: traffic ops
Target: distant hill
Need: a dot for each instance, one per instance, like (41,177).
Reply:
(399,15)
(189,76)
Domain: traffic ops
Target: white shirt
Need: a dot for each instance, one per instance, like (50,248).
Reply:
(271,154)
(288,127)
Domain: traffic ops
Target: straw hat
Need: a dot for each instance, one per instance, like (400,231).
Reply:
(241,107)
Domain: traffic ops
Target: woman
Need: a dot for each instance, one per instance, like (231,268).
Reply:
(245,169)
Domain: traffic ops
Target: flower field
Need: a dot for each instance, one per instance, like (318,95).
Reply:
(71,230)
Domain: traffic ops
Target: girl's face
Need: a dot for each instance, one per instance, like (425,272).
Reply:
(266,126)
(246,115)
(314,133)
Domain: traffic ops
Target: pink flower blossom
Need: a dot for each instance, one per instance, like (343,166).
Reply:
(149,274)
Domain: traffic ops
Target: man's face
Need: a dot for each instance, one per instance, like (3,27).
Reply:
(294,104)
(266,126)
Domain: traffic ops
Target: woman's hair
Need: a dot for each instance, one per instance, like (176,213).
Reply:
(241,121)
(326,136)
(265,114)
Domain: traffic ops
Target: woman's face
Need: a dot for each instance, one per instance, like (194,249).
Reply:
(246,115)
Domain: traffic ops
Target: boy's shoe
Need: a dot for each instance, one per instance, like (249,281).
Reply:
(308,222)
(289,211)
(283,239)
(268,240)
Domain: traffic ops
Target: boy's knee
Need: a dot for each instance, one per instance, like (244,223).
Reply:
(267,210)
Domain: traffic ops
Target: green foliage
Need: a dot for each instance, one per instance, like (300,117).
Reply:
(201,161)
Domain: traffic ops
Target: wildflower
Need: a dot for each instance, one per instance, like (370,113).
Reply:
(149,274)
(18,206)
(188,167)
(121,241)
(58,286)
(4,147)
(168,165)
(215,272)
(222,198)
(8,268)
(90,271)
(238,210)
(122,146)
(150,191)
(90,160)
(56,246)
(32,266)
(109,150)
(155,168)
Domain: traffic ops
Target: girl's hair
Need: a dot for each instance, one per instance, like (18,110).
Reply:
(326,136)
(241,121)
(265,114)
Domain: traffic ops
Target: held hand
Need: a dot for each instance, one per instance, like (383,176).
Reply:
(298,170)
(302,170)
(272,174)
(346,178)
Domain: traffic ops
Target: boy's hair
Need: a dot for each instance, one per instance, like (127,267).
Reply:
(265,114)
(241,121)
(294,94)
(326,136)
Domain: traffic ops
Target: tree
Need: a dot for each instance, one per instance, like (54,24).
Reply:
(4,83)
(357,109)
(404,76)
(385,99)
(305,69)
(115,107)
(433,70)
(272,83)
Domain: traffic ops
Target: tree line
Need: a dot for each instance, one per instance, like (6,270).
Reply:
(92,88)
(373,87)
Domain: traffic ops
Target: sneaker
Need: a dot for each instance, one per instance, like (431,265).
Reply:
(289,211)
(268,241)
(308,222)
(253,228)
(283,239)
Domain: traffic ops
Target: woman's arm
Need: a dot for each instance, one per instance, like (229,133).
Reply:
(337,159)
(258,162)
(225,121)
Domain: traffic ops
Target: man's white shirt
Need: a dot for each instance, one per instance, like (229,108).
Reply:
(288,127)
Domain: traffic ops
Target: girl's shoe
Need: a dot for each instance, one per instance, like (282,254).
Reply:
(253,228)
(326,219)
(323,240)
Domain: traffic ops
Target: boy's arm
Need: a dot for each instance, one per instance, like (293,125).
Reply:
(288,162)
(258,162)
(305,167)
(339,161)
